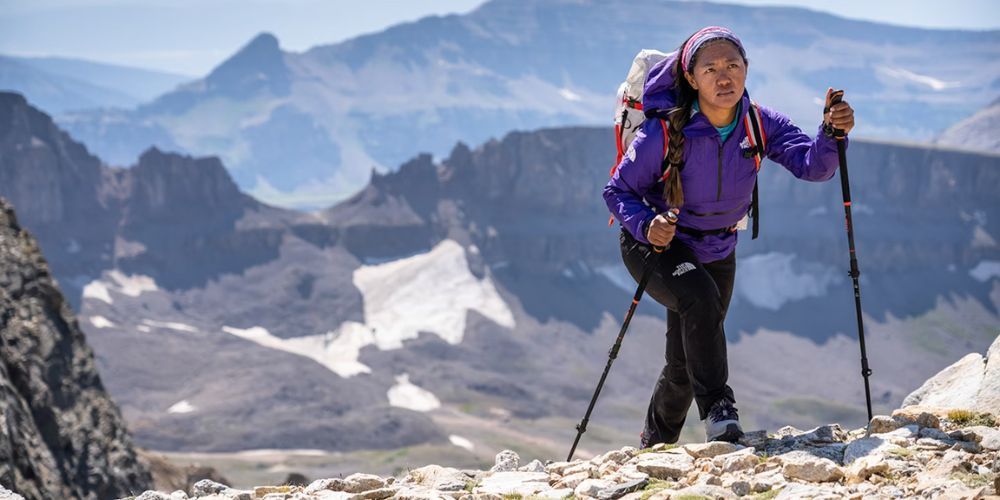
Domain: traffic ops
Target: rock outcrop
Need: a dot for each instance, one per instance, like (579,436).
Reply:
(971,383)
(61,435)
(917,455)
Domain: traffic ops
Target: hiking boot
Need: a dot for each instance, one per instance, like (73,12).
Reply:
(723,422)
(643,443)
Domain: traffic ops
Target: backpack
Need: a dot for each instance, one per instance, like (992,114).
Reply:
(629,116)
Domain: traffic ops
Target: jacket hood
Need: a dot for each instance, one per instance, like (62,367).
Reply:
(658,94)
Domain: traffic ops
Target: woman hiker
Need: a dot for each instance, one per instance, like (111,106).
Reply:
(707,179)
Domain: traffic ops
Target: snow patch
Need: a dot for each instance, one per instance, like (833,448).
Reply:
(985,271)
(101,322)
(170,325)
(144,328)
(131,285)
(928,81)
(337,351)
(569,95)
(97,290)
(181,407)
(430,292)
(771,280)
(406,395)
(461,442)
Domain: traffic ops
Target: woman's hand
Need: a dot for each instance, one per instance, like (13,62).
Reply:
(840,115)
(661,230)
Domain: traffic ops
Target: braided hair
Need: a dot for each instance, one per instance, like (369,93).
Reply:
(678,117)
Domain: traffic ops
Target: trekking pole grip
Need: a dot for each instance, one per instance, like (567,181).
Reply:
(672,219)
(835,98)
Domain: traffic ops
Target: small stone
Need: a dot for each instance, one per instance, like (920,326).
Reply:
(506,460)
(153,495)
(754,439)
(587,467)
(533,466)
(359,483)
(787,432)
(179,495)
(988,437)
(260,491)
(591,487)
(967,446)
(613,456)
(572,480)
(865,446)
(703,491)
(916,415)
(823,434)
(207,487)
(861,469)
(767,481)
(670,466)
(952,461)
(328,484)
(607,468)
(709,450)
(883,423)
(619,490)
(934,433)
(740,488)
(382,493)
(736,461)
(513,482)
(802,465)
(935,444)
(560,467)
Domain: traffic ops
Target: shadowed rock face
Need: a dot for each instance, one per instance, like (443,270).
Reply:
(63,436)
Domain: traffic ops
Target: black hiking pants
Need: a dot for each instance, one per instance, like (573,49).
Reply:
(697,297)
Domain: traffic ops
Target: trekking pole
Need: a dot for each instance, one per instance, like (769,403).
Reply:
(613,353)
(855,272)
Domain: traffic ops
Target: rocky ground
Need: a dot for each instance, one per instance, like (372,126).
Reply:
(917,452)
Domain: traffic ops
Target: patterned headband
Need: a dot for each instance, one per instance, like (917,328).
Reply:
(704,35)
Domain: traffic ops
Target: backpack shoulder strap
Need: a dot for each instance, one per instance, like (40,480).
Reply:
(753,124)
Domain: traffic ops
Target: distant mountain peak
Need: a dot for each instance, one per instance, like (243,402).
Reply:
(258,66)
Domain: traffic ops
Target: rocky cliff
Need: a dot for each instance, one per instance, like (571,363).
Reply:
(62,437)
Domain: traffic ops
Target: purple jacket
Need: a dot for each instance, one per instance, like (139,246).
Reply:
(717,179)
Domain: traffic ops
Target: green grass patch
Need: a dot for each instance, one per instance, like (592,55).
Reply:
(767,495)
(975,480)
(966,418)
(653,486)
(513,496)
(900,452)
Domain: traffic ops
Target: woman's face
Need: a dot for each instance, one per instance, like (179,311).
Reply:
(719,75)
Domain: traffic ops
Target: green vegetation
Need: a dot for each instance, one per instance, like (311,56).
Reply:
(975,480)
(900,452)
(965,418)
(767,495)
(653,486)
(513,496)
(650,450)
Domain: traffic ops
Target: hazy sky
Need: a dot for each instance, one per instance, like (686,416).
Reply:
(192,36)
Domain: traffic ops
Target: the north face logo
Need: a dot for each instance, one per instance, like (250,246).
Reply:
(683,267)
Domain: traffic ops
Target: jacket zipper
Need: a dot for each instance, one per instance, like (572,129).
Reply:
(718,195)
